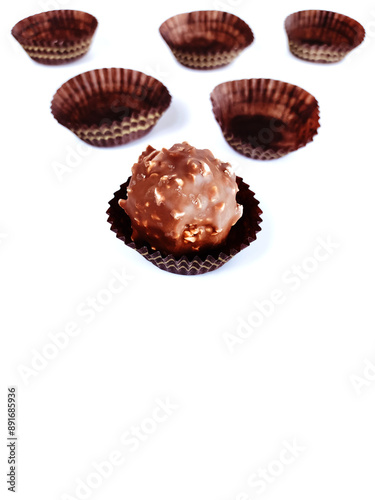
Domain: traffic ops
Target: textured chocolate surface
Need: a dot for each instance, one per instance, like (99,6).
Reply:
(181,200)
(241,235)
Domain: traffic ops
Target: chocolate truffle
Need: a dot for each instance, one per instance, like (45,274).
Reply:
(181,200)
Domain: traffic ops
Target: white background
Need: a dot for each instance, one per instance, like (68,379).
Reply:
(163,335)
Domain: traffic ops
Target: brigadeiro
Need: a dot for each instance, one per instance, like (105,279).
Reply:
(184,210)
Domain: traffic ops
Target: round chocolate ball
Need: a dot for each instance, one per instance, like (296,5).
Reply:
(181,200)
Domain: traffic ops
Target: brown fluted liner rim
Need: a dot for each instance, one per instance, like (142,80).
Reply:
(240,236)
(228,91)
(118,131)
(57,36)
(322,19)
(198,58)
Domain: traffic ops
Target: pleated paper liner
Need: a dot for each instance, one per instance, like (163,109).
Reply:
(206,39)
(57,36)
(110,106)
(322,36)
(265,119)
(240,236)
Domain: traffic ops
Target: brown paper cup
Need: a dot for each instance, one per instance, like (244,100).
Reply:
(109,107)
(56,37)
(265,119)
(240,236)
(206,39)
(321,36)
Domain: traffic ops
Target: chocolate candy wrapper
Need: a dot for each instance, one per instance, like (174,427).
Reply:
(265,119)
(57,36)
(240,236)
(109,107)
(206,39)
(322,36)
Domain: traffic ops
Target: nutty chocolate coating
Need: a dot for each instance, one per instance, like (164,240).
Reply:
(181,199)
